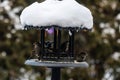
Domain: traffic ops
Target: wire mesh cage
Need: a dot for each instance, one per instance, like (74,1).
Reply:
(56,50)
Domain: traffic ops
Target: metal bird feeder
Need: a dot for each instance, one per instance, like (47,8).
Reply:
(54,57)
(56,54)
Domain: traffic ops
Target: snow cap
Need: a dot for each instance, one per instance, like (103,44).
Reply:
(63,13)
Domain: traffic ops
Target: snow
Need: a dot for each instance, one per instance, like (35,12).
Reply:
(118,17)
(11,12)
(116,56)
(70,33)
(108,74)
(6,5)
(107,29)
(65,13)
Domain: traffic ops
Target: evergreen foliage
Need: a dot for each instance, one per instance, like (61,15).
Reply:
(101,44)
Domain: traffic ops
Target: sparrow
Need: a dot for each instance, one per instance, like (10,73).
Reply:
(48,44)
(36,50)
(64,46)
(82,56)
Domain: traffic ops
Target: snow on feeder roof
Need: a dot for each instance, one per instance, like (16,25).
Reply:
(62,13)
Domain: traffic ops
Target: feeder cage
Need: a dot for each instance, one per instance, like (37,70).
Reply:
(51,50)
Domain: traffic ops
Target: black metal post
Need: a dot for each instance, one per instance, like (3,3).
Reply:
(71,44)
(59,42)
(59,38)
(56,73)
(55,40)
(42,43)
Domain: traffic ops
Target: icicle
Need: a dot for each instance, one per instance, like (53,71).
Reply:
(70,33)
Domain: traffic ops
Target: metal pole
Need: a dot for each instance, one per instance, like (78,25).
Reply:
(55,40)
(56,75)
(71,44)
(59,42)
(42,43)
(59,38)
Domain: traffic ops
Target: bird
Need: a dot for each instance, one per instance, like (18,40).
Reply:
(48,44)
(64,46)
(37,46)
(36,50)
(82,56)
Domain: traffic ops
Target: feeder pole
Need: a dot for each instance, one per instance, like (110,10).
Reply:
(56,70)
(56,73)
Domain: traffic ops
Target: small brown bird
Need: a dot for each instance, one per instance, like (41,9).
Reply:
(82,56)
(49,45)
(64,46)
(36,50)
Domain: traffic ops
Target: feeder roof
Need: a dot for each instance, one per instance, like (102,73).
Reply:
(63,13)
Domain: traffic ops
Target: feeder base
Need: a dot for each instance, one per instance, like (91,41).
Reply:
(36,62)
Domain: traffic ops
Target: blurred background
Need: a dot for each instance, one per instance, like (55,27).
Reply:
(102,44)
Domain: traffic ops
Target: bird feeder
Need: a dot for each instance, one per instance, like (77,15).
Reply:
(55,53)
(60,15)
